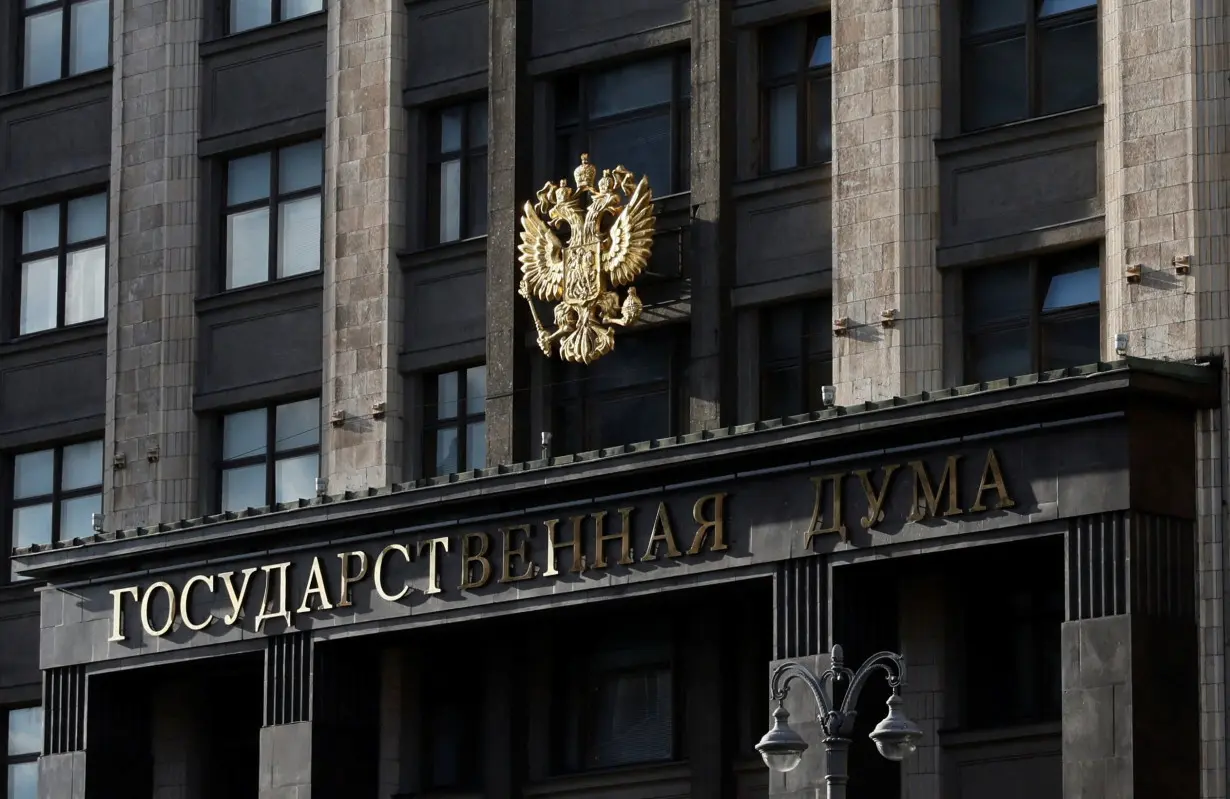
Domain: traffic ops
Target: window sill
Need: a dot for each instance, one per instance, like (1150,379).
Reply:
(56,336)
(442,253)
(786,179)
(261,292)
(56,88)
(1038,127)
(265,33)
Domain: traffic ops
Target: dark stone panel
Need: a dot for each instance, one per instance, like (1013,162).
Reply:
(48,134)
(783,227)
(760,12)
(1163,462)
(1005,764)
(446,40)
(561,25)
(1021,178)
(59,389)
(264,79)
(19,630)
(446,300)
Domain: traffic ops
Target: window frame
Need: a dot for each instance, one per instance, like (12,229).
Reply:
(808,359)
(460,423)
(275,16)
(814,26)
(273,201)
(65,6)
(467,153)
(7,760)
(271,455)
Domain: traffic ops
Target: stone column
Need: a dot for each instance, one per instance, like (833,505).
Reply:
(364,219)
(151,327)
(179,768)
(922,645)
(62,767)
(886,114)
(287,735)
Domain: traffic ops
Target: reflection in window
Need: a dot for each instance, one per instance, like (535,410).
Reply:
(55,493)
(636,115)
(25,743)
(1032,315)
(63,264)
(457,194)
(1018,63)
(455,427)
(248,14)
(270,455)
(63,38)
(796,357)
(273,214)
(796,61)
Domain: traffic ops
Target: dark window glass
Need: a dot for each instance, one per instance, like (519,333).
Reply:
(796,75)
(635,115)
(796,357)
(455,426)
(457,188)
(1027,58)
(64,37)
(273,214)
(25,743)
(63,264)
(248,14)
(621,398)
(1031,315)
(452,756)
(55,493)
(270,455)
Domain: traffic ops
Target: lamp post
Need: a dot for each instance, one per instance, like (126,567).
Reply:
(896,736)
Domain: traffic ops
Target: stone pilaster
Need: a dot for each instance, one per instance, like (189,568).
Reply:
(151,272)
(287,735)
(177,745)
(886,114)
(922,645)
(364,224)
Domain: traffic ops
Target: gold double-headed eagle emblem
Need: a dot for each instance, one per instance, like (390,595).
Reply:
(609,247)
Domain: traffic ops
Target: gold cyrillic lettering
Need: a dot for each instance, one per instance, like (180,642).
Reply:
(817,526)
(379,573)
(469,558)
(236,598)
(513,549)
(281,610)
(929,501)
(553,545)
(875,499)
(624,536)
(145,620)
(716,524)
(315,588)
(117,611)
(992,470)
(433,564)
(185,602)
(349,579)
(662,531)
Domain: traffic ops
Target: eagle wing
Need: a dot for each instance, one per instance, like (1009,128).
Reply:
(631,237)
(542,257)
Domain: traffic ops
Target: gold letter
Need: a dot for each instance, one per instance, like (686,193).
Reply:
(553,545)
(468,557)
(624,536)
(997,482)
(145,622)
(817,511)
(281,611)
(117,611)
(379,575)
(512,549)
(717,524)
(662,531)
(236,598)
(347,578)
(433,571)
(315,585)
(923,481)
(875,500)
(185,602)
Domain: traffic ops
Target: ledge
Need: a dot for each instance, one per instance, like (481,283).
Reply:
(954,739)
(781,181)
(1038,241)
(56,337)
(56,88)
(261,292)
(1038,127)
(265,33)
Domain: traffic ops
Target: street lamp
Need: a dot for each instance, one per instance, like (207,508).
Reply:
(896,736)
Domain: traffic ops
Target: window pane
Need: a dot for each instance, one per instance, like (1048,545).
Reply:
(639,85)
(450,201)
(783,392)
(821,52)
(299,8)
(641,145)
(783,108)
(297,424)
(247,248)
(40,229)
(995,84)
(75,516)
(85,285)
(300,167)
(1071,342)
(640,417)
(1069,67)
(26,731)
(299,243)
(34,474)
(476,195)
(476,445)
(446,396)
(988,15)
(450,129)
(780,48)
(40,287)
(478,125)
(783,332)
(820,121)
(1052,7)
(476,389)
(91,35)
(244,434)
(1067,289)
(632,718)
(23,781)
(83,466)
(1003,353)
(996,293)
(819,375)
(296,477)
(637,360)
(32,525)
(446,451)
(247,179)
(43,39)
(243,488)
(247,14)
(87,218)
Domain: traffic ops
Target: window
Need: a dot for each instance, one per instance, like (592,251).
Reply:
(457,201)
(63,264)
(796,358)
(25,742)
(63,38)
(621,398)
(452,753)
(455,429)
(55,493)
(248,14)
(619,704)
(796,74)
(636,115)
(1027,58)
(273,214)
(270,455)
(1033,315)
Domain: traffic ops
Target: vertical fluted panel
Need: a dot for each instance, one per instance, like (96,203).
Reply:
(800,608)
(288,679)
(64,710)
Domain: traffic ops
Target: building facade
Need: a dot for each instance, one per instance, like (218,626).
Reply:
(931,360)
